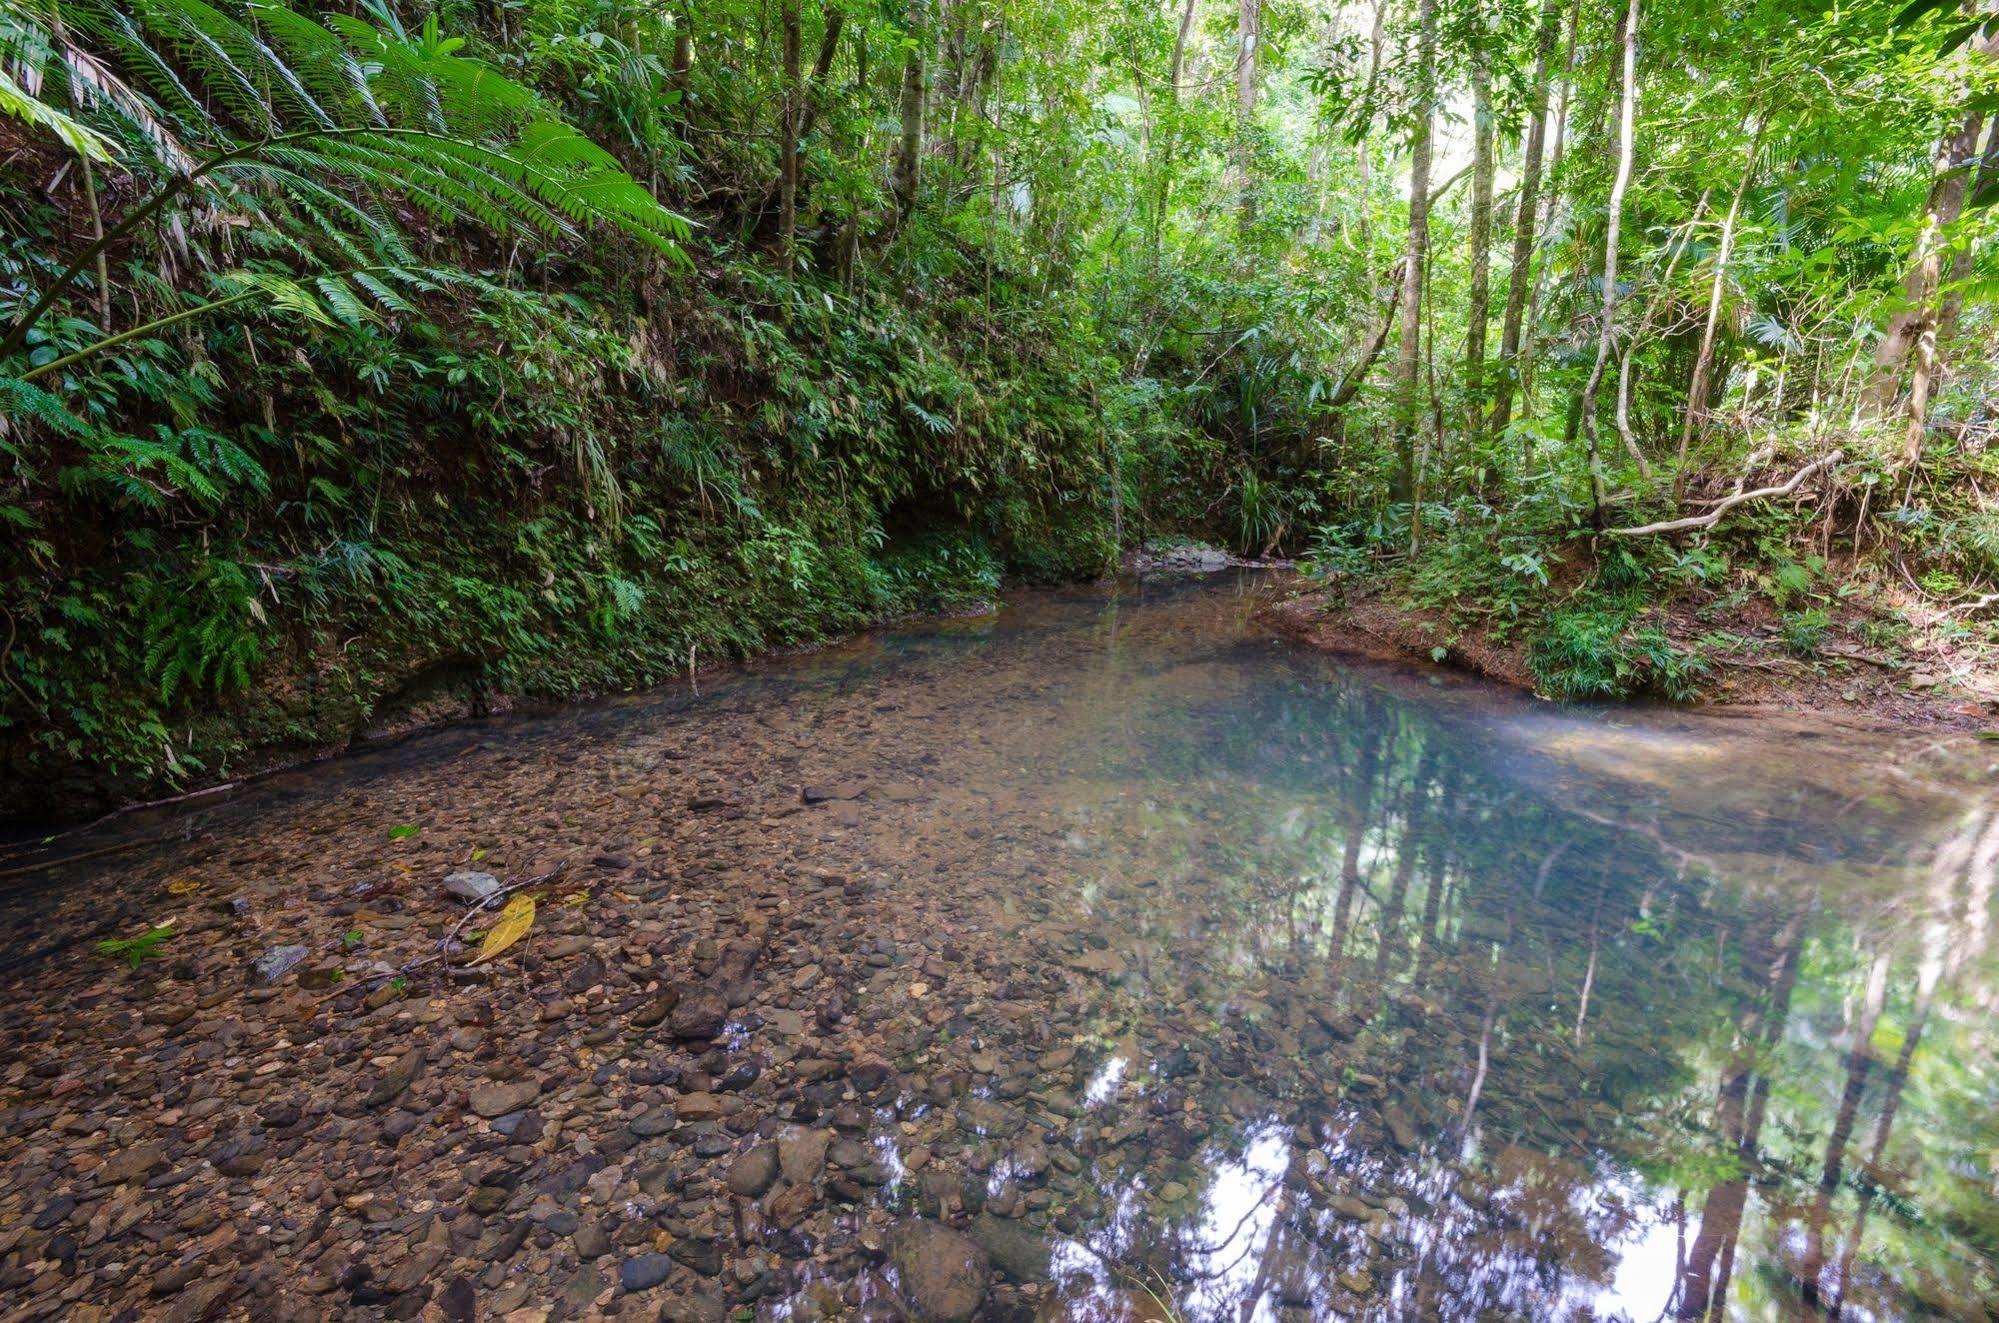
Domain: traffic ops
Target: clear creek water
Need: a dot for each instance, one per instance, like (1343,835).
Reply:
(1189,975)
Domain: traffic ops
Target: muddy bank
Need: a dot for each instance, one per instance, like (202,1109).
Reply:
(1849,684)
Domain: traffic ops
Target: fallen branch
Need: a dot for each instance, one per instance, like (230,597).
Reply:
(1713,517)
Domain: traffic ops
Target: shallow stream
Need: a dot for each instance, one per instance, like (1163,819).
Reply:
(1185,974)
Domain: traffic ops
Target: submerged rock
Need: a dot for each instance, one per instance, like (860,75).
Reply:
(493,1100)
(699,1012)
(644,1272)
(754,1172)
(944,1273)
(801,1154)
(472,886)
(275,963)
(1015,1249)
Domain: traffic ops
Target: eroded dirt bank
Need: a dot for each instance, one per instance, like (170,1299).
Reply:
(1848,685)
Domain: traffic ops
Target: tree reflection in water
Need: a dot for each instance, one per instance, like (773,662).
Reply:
(1524,1017)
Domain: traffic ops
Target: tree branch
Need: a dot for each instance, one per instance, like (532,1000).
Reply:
(1713,517)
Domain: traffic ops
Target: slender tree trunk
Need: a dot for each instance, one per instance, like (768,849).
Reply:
(1739,1111)
(1479,298)
(1408,353)
(1606,334)
(1558,145)
(909,153)
(683,51)
(1350,386)
(1884,1126)
(1704,358)
(1679,242)
(1249,42)
(1526,214)
(822,66)
(1169,128)
(1938,328)
(1915,319)
(791,111)
(1363,150)
(1960,265)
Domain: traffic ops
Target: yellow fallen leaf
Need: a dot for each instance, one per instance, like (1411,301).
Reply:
(576,898)
(185,887)
(515,920)
(478,853)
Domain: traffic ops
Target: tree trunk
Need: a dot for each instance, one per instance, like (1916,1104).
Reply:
(1249,40)
(1408,353)
(790,110)
(1627,116)
(1169,128)
(909,154)
(1960,265)
(1859,1064)
(1914,320)
(1526,214)
(1522,372)
(683,53)
(1697,389)
(1363,150)
(1938,328)
(822,65)
(1479,298)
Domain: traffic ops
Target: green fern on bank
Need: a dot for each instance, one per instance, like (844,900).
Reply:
(312,131)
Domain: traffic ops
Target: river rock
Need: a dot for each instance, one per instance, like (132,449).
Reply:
(393,1082)
(131,1165)
(870,1076)
(944,1273)
(701,1253)
(579,1294)
(698,1013)
(1015,1249)
(801,1154)
(492,1100)
(645,1271)
(697,1307)
(734,973)
(653,1123)
(472,886)
(754,1172)
(698,1107)
(275,963)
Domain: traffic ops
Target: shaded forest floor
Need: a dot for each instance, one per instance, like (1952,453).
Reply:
(1930,676)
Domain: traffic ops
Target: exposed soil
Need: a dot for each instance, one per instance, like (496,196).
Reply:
(1941,686)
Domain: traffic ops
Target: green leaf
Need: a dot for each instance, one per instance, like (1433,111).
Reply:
(1915,10)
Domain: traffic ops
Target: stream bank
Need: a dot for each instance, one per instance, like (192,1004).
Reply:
(1746,668)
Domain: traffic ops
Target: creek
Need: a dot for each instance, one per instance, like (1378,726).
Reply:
(1098,958)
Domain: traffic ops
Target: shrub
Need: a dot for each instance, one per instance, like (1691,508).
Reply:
(1602,651)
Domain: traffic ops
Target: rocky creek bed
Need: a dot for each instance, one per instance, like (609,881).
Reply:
(1095,961)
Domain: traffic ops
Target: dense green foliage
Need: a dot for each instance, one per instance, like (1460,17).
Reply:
(558,346)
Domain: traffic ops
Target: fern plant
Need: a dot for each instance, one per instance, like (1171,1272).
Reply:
(311,129)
